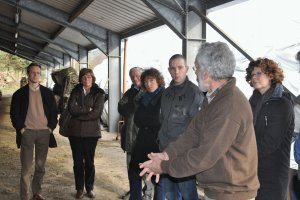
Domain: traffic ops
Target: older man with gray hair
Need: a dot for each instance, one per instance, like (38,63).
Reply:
(219,145)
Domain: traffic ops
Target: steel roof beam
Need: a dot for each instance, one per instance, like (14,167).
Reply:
(68,46)
(172,12)
(61,18)
(98,43)
(76,12)
(142,28)
(215,3)
(24,49)
(79,9)
(10,49)
(29,43)
(25,57)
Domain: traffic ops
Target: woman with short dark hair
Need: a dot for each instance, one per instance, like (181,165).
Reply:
(85,106)
(273,119)
(146,119)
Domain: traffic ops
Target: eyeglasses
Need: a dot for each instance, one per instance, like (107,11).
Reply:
(149,81)
(257,74)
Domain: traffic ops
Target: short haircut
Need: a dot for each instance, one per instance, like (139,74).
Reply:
(85,71)
(135,68)
(32,65)
(175,56)
(152,72)
(267,66)
(217,59)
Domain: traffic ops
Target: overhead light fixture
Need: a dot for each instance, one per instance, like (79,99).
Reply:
(17,18)
(16,45)
(16,35)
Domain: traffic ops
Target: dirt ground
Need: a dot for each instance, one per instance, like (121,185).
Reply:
(111,176)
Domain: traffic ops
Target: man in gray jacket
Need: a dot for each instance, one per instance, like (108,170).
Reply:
(179,103)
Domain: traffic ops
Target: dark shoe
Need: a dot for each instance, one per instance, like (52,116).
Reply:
(91,194)
(126,196)
(38,197)
(79,194)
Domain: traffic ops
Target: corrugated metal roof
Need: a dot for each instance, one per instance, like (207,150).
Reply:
(76,37)
(38,22)
(53,46)
(65,5)
(7,28)
(8,11)
(118,15)
(31,37)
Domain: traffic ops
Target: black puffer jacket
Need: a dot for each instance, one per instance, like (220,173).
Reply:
(274,127)
(86,111)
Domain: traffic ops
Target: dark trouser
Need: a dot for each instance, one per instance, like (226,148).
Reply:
(135,183)
(83,151)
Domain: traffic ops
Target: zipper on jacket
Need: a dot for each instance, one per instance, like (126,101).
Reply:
(266,121)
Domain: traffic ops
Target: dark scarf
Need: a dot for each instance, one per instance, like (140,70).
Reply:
(148,96)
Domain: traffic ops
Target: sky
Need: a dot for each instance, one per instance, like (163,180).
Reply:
(261,27)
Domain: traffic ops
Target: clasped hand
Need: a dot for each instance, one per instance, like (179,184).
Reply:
(152,167)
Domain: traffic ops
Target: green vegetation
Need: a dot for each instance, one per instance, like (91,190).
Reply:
(12,69)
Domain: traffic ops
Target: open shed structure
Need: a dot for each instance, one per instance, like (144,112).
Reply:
(52,32)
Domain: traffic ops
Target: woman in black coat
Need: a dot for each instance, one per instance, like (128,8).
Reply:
(146,119)
(273,119)
(85,106)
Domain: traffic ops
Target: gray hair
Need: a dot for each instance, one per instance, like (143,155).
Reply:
(217,59)
(135,68)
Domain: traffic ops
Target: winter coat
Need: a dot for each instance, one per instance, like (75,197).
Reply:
(127,107)
(86,111)
(218,147)
(19,108)
(179,104)
(146,119)
(274,127)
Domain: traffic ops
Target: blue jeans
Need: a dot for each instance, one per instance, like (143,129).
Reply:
(179,188)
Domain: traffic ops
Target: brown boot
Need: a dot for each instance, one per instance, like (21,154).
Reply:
(79,194)
(91,194)
(38,197)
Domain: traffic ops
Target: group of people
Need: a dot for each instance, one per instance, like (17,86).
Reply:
(174,137)
(235,148)
(34,116)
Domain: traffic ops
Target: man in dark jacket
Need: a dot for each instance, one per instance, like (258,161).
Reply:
(33,114)
(126,107)
(179,103)
(219,145)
